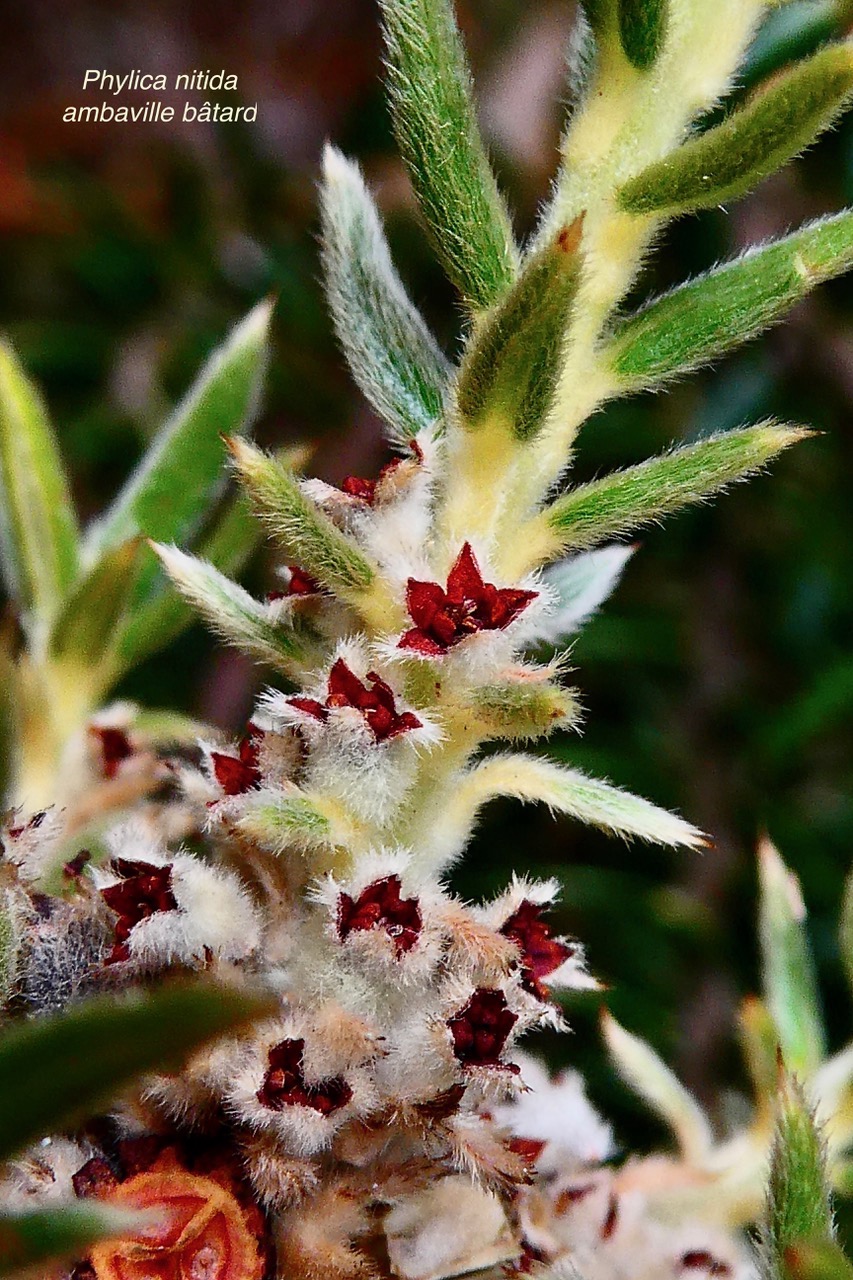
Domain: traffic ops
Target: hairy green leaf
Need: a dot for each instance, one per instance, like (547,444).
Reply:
(61,1232)
(232,613)
(791,31)
(436,126)
(393,356)
(625,500)
(512,364)
(581,584)
(715,312)
(751,143)
(790,984)
(38,528)
(798,1207)
(56,1070)
(642,27)
(319,547)
(170,492)
(279,821)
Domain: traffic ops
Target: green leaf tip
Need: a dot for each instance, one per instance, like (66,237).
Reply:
(626,500)
(102,1044)
(751,143)
(393,357)
(298,523)
(231,612)
(642,28)
(816,1260)
(435,122)
(513,363)
(39,552)
(790,984)
(798,1205)
(711,314)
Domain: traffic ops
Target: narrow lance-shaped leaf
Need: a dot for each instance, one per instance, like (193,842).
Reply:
(513,362)
(567,791)
(790,985)
(581,584)
(625,500)
(170,491)
(38,528)
(63,1231)
(715,312)
(232,613)
(798,1208)
(56,1070)
(759,1042)
(751,143)
(86,628)
(642,28)
(321,548)
(652,1079)
(393,356)
(436,126)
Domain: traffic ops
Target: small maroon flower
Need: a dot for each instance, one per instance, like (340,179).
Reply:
(240,773)
(443,617)
(285,1085)
(480,1030)
(115,747)
(300,584)
(365,490)
(380,906)
(541,953)
(376,704)
(143,891)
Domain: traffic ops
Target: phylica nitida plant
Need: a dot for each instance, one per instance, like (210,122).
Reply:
(381,1121)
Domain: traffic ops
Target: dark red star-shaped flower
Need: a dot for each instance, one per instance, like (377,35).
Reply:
(240,773)
(143,891)
(541,953)
(368,490)
(115,747)
(380,906)
(444,616)
(480,1030)
(285,1085)
(376,703)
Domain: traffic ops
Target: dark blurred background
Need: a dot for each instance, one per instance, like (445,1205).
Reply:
(718,681)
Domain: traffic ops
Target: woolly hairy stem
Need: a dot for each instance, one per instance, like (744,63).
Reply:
(628,119)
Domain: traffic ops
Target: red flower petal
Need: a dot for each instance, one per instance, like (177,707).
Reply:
(285,1085)
(310,706)
(465,582)
(380,905)
(421,642)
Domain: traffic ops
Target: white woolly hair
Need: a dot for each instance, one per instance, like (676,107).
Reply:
(214,912)
(558,1113)
(302,1131)
(374,947)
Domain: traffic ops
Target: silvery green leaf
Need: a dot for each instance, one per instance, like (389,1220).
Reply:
(790,984)
(581,583)
(392,355)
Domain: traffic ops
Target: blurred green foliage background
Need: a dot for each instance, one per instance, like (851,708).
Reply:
(719,680)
